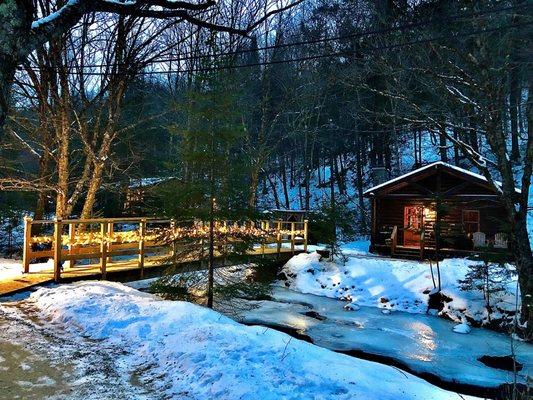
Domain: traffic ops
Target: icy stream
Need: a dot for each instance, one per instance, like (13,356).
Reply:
(423,344)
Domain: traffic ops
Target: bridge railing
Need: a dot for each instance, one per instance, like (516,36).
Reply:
(70,240)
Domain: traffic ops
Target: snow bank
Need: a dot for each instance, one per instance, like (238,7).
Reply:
(395,284)
(184,350)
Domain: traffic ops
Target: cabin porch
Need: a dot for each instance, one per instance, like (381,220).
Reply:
(415,253)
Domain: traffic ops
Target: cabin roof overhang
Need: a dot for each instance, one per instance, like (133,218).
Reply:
(388,187)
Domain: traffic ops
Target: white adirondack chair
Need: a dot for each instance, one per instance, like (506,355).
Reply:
(480,239)
(500,242)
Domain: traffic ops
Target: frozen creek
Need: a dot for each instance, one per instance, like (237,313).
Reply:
(423,344)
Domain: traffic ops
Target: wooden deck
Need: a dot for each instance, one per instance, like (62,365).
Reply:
(122,270)
(429,252)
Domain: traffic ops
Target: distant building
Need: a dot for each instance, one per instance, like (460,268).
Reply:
(140,196)
(405,211)
(289,215)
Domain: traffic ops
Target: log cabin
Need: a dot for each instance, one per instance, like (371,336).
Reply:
(440,203)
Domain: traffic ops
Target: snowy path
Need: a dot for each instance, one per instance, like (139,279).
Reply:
(423,343)
(37,361)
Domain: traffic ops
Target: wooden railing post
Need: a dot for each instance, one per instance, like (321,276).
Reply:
(71,241)
(394,240)
(264,227)
(142,233)
(293,236)
(306,226)
(278,238)
(225,247)
(110,235)
(27,244)
(103,249)
(174,249)
(422,243)
(58,229)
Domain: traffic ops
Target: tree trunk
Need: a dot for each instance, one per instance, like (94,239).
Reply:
(63,132)
(455,148)
(360,185)
(333,209)
(274,191)
(7,72)
(524,265)
(284,183)
(42,195)
(15,23)
(514,95)
(92,190)
(442,146)
(254,183)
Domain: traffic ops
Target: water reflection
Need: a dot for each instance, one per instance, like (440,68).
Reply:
(424,337)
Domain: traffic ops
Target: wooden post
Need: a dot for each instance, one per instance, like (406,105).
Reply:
(27,244)
(225,246)
(394,240)
(263,237)
(58,229)
(103,249)
(306,226)
(142,233)
(71,241)
(293,234)
(373,235)
(422,244)
(174,249)
(110,234)
(278,238)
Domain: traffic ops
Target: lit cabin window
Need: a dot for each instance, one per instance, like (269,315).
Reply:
(471,221)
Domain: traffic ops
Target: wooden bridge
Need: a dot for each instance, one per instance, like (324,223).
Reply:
(94,248)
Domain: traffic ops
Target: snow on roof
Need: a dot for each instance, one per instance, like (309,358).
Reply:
(429,166)
(288,211)
(142,182)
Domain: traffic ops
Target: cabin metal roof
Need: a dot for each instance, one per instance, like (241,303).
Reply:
(434,165)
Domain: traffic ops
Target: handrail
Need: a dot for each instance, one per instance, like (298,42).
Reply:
(394,239)
(422,243)
(106,242)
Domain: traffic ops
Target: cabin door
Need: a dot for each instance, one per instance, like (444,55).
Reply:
(413,220)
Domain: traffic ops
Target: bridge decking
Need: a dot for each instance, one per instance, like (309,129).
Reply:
(114,270)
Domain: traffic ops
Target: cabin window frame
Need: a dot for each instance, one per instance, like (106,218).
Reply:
(468,222)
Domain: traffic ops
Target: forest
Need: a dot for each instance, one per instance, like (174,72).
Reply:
(304,109)
(216,198)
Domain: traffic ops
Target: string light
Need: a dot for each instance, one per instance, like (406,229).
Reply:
(198,231)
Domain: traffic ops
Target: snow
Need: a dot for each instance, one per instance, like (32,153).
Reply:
(357,247)
(55,15)
(10,268)
(396,285)
(462,328)
(184,350)
(422,343)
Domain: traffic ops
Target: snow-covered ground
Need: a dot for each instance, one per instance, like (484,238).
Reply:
(11,268)
(396,284)
(38,362)
(423,343)
(183,350)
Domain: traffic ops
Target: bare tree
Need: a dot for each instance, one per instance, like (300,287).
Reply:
(25,25)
